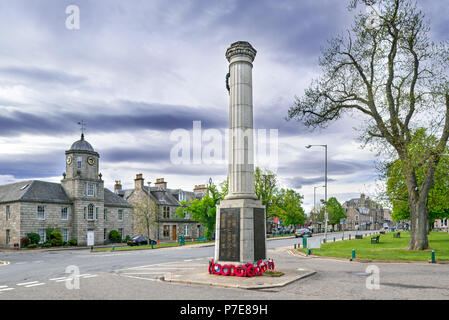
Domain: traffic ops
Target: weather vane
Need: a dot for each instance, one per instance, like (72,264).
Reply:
(83,127)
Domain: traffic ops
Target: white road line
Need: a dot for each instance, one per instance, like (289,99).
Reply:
(188,260)
(25,283)
(33,285)
(90,276)
(137,273)
(149,279)
(53,279)
(1,287)
(6,289)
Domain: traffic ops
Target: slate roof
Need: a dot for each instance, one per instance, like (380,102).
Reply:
(33,191)
(82,145)
(111,199)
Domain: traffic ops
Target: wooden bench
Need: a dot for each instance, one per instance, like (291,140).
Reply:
(397,235)
(203,239)
(375,239)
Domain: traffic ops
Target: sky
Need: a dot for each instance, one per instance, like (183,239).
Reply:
(138,72)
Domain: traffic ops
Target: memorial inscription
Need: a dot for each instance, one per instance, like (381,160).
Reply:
(259,234)
(229,234)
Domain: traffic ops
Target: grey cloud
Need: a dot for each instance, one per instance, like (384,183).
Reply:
(299,182)
(37,75)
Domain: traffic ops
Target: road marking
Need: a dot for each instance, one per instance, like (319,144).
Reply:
(4,263)
(33,285)
(90,276)
(6,289)
(26,283)
(53,279)
(1,287)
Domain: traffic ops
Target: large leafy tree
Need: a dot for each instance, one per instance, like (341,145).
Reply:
(335,211)
(203,210)
(287,205)
(265,187)
(392,75)
(438,199)
(145,215)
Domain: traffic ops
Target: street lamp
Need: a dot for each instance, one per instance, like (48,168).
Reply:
(314,197)
(325,183)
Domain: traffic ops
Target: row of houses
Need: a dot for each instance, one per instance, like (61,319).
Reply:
(81,208)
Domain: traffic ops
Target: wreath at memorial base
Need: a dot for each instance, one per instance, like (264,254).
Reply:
(247,270)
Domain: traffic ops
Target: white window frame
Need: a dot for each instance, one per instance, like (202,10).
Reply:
(96,213)
(120,230)
(90,215)
(186,230)
(65,235)
(66,213)
(91,190)
(120,215)
(79,162)
(43,235)
(38,216)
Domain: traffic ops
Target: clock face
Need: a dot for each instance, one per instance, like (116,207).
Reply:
(69,160)
(91,161)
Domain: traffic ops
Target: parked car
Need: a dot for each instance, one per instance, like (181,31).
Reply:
(303,233)
(140,240)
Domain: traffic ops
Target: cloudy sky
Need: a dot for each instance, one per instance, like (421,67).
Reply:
(136,71)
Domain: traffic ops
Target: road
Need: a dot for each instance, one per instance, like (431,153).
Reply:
(123,275)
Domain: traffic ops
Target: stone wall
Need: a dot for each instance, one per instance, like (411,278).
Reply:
(13,224)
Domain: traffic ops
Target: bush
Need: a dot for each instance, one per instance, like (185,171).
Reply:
(34,238)
(115,236)
(25,242)
(32,246)
(56,238)
(48,232)
(127,238)
(73,242)
(46,245)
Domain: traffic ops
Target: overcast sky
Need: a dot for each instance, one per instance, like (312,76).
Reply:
(137,70)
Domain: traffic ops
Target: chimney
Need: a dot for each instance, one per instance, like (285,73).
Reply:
(138,182)
(200,188)
(161,183)
(362,200)
(117,186)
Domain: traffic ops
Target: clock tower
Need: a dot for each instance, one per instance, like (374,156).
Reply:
(83,184)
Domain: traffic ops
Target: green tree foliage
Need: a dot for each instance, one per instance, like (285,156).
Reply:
(335,211)
(203,210)
(115,236)
(287,205)
(265,188)
(56,238)
(34,237)
(438,199)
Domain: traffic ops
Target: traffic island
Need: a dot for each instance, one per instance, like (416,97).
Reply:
(201,277)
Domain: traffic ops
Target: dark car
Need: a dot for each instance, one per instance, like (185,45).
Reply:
(303,233)
(140,240)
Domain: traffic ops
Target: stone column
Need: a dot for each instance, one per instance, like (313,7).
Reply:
(240,222)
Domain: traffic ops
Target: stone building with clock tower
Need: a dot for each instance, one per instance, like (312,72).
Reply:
(79,207)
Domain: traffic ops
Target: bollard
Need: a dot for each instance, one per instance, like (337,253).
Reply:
(432,256)
(324,240)
(304,242)
(112,248)
(309,252)
(295,245)
(353,253)
(91,248)
(334,239)
(152,245)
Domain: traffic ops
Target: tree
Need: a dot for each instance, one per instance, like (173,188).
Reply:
(145,213)
(203,210)
(335,211)
(395,77)
(437,201)
(287,205)
(265,187)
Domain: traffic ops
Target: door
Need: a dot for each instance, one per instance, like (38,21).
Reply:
(174,236)
(90,238)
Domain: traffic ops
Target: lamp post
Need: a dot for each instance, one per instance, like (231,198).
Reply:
(314,197)
(325,183)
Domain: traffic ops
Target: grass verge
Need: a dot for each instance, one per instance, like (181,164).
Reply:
(388,248)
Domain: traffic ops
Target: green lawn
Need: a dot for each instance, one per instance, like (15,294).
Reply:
(164,245)
(388,248)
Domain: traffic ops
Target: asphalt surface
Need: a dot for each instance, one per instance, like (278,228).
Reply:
(135,275)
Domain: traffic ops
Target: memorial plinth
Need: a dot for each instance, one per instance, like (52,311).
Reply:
(240,223)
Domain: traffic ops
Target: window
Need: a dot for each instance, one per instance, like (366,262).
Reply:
(105,214)
(65,235)
(166,230)
(120,215)
(90,212)
(42,235)
(105,233)
(8,213)
(120,230)
(90,189)
(96,213)
(41,212)
(186,230)
(64,213)
(79,162)
(166,212)
(8,236)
